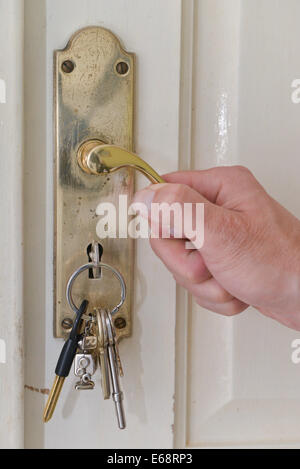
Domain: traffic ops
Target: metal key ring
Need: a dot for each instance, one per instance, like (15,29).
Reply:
(92,265)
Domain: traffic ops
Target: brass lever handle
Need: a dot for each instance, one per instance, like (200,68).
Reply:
(95,157)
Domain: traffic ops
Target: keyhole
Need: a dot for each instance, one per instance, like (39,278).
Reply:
(95,253)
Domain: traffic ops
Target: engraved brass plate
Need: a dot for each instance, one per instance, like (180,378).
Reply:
(93,99)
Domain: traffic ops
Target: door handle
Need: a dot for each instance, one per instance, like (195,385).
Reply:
(95,157)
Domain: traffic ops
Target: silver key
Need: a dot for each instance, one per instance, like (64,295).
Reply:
(116,347)
(103,352)
(114,372)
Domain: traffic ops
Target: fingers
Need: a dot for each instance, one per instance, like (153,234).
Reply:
(223,227)
(174,210)
(181,262)
(166,206)
(190,272)
(224,186)
(211,295)
(232,308)
(208,290)
(205,182)
(220,224)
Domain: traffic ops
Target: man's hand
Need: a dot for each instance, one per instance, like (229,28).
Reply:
(251,251)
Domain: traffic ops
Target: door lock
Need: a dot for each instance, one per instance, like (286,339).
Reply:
(94,108)
(93,100)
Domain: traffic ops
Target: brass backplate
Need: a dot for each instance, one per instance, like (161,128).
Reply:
(93,99)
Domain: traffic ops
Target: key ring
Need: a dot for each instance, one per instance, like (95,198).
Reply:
(92,265)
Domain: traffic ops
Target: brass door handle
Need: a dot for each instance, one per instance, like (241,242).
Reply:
(95,157)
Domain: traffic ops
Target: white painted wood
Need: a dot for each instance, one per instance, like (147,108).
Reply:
(152,31)
(242,388)
(11,213)
(186,131)
(35,187)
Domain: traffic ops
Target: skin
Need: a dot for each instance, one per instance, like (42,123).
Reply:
(251,252)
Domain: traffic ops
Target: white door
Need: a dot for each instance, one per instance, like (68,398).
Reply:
(213,87)
(149,355)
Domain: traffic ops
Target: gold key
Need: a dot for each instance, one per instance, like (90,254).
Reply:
(103,353)
(64,363)
(53,398)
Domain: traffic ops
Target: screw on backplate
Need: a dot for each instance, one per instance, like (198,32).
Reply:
(67,324)
(122,68)
(120,323)
(68,66)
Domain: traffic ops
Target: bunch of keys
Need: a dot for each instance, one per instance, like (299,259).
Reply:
(95,345)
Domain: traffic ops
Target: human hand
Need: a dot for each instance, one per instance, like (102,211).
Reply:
(251,251)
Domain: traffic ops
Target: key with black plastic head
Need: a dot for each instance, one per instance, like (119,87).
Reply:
(64,363)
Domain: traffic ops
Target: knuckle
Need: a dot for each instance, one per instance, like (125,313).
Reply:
(242,170)
(233,171)
(235,308)
(195,273)
(192,276)
(237,174)
(199,302)
(222,296)
(231,313)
